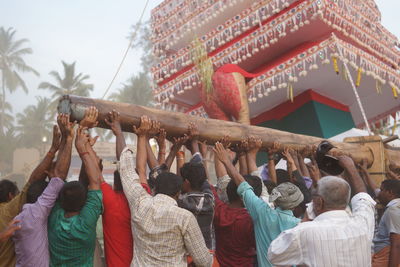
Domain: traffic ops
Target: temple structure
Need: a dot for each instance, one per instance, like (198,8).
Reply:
(295,51)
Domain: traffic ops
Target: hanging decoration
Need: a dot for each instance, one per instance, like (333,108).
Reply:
(351,23)
(203,65)
(359,73)
(394,90)
(368,47)
(335,64)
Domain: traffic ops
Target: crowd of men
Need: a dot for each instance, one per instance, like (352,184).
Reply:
(253,216)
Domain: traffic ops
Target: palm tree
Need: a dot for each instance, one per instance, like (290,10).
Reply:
(141,40)
(8,143)
(136,91)
(68,83)
(34,124)
(6,118)
(11,64)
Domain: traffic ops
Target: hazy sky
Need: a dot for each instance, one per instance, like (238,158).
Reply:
(94,34)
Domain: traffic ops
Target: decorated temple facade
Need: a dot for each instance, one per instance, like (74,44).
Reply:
(293,54)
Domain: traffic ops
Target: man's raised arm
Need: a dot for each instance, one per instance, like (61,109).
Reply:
(355,179)
(177,143)
(133,174)
(64,156)
(92,168)
(223,156)
(141,154)
(113,120)
(39,173)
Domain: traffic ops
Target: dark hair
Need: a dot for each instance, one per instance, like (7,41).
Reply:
(282,176)
(254,181)
(231,191)
(117,181)
(7,187)
(392,185)
(154,173)
(168,183)
(35,190)
(73,196)
(269,185)
(195,173)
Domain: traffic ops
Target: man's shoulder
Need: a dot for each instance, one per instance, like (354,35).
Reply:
(393,211)
(310,226)
(181,211)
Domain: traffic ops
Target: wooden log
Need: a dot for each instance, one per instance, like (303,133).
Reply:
(211,130)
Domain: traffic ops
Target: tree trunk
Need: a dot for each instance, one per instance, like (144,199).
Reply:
(3,102)
(211,130)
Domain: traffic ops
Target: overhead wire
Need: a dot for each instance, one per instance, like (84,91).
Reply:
(127,49)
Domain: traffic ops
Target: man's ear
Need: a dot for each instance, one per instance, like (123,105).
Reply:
(10,196)
(177,195)
(318,203)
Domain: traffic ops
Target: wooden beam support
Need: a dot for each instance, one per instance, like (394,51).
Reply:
(211,130)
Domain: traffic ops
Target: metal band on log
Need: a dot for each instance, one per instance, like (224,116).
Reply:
(211,130)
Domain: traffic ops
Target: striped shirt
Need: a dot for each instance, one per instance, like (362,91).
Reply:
(31,244)
(334,238)
(163,233)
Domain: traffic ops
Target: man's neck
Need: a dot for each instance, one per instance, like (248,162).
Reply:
(236,205)
(71,214)
(392,201)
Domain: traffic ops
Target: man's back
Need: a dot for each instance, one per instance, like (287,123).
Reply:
(31,242)
(236,245)
(201,205)
(118,240)
(72,240)
(160,232)
(334,238)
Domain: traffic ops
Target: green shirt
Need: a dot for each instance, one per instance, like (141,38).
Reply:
(72,240)
(268,223)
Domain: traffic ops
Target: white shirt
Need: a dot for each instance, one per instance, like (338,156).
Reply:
(334,238)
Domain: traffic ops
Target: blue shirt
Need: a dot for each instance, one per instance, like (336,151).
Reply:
(390,223)
(268,223)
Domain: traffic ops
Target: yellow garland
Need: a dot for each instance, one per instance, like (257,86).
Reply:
(335,65)
(204,66)
(394,90)
(394,126)
(378,86)
(359,72)
(345,76)
(290,92)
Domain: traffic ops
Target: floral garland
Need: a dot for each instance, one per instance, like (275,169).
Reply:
(222,34)
(363,35)
(184,20)
(287,73)
(269,34)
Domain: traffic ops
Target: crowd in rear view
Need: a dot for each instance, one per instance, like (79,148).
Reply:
(301,215)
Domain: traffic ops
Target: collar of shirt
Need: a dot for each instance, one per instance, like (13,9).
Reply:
(288,212)
(166,199)
(393,202)
(332,214)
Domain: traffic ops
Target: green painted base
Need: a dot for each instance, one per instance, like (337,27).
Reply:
(312,118)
